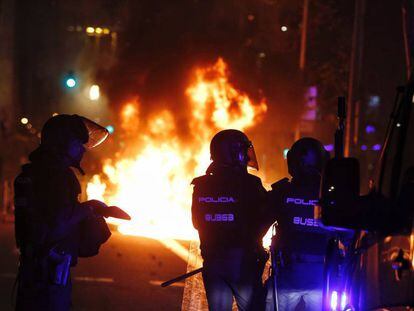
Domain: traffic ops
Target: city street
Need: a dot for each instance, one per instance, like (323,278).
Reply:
(158,115)
(124,276)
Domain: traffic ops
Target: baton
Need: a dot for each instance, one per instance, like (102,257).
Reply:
(274,265)
(181,277)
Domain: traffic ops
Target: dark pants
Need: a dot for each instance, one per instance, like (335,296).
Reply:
(299,288)
(234,274)
(42,295)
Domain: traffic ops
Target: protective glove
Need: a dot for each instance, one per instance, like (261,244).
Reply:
(101,209)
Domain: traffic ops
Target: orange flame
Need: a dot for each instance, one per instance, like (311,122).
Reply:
(130,116)
(153,186)
(230,108)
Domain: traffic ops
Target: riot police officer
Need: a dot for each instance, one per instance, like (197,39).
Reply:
(226,210)
(49,219)
(301,239)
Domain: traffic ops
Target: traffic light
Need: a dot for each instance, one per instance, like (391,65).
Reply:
(71,80)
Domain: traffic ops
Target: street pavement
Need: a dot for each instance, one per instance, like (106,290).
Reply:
(124,276)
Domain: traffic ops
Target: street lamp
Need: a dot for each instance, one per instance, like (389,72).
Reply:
(90,30)
(94,92)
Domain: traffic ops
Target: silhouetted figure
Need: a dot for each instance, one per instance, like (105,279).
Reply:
(301,239)
(52,227)
(228,203)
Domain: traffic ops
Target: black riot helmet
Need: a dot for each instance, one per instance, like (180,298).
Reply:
(233,148)
(307,158)
(59,130)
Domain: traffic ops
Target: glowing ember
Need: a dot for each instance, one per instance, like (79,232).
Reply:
(153,185)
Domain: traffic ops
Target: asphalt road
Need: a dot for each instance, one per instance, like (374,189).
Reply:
(124,276)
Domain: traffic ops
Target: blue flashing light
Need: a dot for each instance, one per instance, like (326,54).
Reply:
(369,129)
(70,82)
(329,147)
(334,300)
(110,129)
(343,301)
(376,147)
(364,147)
(285,152)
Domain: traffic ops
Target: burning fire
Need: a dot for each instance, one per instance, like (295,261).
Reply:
(153,185)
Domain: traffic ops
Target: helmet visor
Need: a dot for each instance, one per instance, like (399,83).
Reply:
(252,163)
(96,133)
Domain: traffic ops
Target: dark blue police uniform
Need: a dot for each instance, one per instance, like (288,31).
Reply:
(49,219)
(302,242)
(226,210)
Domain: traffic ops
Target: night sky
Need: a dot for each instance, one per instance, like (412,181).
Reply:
(160,43)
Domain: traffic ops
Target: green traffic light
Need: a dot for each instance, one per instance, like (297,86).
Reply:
(70,82)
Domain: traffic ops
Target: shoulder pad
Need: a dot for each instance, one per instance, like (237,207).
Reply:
(26,167)
(197,180)
(254,177)
(281,183)
(256,180)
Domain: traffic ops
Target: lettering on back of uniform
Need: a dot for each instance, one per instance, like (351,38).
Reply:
(227,217)
(300,201)
(303,221)
(217,200)
(307,222)
(219,217)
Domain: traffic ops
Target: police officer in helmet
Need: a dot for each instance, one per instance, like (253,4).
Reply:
(301,240)
(226,210)
(50,222)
